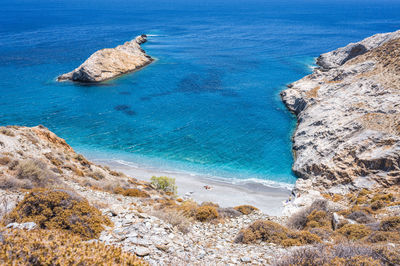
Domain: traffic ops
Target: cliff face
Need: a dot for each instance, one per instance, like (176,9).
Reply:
(111,62)
(348,111)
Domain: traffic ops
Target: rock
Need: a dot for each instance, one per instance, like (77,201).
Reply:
(111,62)
(348,133)
(245,259)
(142,251)
(25,226)
(342,55)
(162,247)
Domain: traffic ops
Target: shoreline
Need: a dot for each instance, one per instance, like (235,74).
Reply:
(270,200)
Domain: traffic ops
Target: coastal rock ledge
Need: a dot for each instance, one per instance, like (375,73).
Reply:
(348,112)
(111,62)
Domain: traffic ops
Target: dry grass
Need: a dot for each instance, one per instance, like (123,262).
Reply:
(339,255)
(36,172)
(174,218)
(313,93)
(55,247)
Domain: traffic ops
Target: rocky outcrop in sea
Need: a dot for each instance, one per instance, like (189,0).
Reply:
(109,63)
(348,112)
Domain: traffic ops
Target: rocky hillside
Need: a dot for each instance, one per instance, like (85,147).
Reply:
(348,111)
(111,62)
(146,221)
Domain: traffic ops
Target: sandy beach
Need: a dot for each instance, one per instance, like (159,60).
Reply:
(270,200)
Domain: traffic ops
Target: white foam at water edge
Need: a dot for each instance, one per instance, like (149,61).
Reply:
(127,163)
(152,35)
(234,181)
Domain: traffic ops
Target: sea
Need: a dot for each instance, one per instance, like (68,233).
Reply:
(210,102)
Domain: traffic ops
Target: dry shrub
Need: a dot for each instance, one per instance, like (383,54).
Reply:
(55,161)
(83,161)
(35,171)
(360,217)
(59,209)
(323,233)
(166,203)
(96,175)
(389,255)
(206,213)
(175,219)
(7,132)
(228,213)
(390,224)
(314,216)
(339,255)
(272,232)
(188,208)
(115,173)
(5,160)
(13,165)
(131,192)
(209,203)
(10,182)
(381,236)
(354,231)
(54,247)
(246,209)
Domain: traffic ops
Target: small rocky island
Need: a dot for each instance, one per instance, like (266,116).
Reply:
(109,63)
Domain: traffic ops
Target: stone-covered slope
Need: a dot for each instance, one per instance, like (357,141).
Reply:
(348,112)
(111,62)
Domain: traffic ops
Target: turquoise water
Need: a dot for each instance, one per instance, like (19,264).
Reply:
(209,104)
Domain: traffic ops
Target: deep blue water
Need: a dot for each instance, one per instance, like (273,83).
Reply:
(209,104)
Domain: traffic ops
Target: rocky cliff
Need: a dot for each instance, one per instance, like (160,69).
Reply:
(348,112)
(111,62)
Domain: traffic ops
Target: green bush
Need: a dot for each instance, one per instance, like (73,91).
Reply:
(164,183)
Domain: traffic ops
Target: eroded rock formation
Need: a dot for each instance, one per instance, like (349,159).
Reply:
(348,112)
(111,62)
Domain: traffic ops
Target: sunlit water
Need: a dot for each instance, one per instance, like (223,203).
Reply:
(209,104)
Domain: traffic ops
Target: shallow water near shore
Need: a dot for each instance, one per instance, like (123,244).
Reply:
(209,105)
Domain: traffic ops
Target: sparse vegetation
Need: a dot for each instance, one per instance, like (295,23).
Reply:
(272,232)
(96,175)
(246,209)
(5,160)
(390,224)
(164,183)
(340,255)
(36,172)
(131,192)
(354,231)
(7,132)
(206,213)
(308,217)
(174,218)
(55,247)
(80,158)
(59,209)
